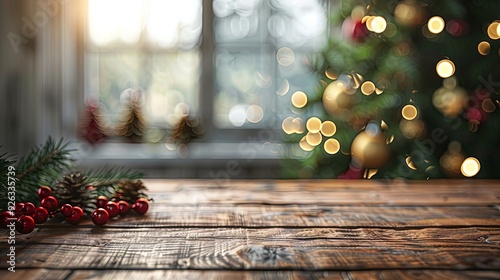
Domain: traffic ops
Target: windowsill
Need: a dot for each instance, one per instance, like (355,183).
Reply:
(199,160)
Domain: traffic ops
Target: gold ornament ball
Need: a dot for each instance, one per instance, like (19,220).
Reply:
(450,102)
(370,150)
(409,13)
(412,129)
(336,101)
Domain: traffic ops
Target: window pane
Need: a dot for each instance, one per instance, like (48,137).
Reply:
(174,23)
(298,23)
(237,19)
(261,56)
(115,21)
(169,82)
(244,86)
(167,24)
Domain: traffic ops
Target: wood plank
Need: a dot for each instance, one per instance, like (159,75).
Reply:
(269,249)
(281,275)
(35,273)
(327,192)
(166,215)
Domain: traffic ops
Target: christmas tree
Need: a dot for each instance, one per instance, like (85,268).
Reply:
(93,126)
(408,90)
(132,124)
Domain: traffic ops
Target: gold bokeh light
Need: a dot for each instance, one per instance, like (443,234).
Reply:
(436,24)
(410,163)
(483,48)
(376,24)
(299,99)
(287,126)
(332,146)
(493,30)
(488,105)
(470,167)
(285,56)
(298,125)
(304,145)
(409,112)
(313,139)
(445,68)
(331,74)
(313,125)
(368,88)
(328,128)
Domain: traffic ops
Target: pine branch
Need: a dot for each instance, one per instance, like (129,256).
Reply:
(106,179)
(42,166)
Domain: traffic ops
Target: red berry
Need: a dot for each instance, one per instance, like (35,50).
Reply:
(101,201)
(50,203)
(28,209)
(44,191)
(112,208)
(41,215)
(141,206)
(100,216)
(124,207)
(76,216)
(67,210)
(25,224)
(18,209)
(6,217)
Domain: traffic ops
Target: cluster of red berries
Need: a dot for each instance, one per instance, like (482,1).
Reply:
(109,209)
(26,215)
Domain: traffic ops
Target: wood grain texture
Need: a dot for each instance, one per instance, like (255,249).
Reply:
(283,275)
(297,229)
(165,215)
(274,248)
(327,192)
(58,274)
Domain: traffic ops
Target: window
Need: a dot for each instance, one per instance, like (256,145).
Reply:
(234,63)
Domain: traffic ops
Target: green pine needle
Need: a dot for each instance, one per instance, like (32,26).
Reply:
(42,166)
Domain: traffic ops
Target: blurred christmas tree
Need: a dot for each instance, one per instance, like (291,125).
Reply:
(409,89)
(132,124)
(93,125)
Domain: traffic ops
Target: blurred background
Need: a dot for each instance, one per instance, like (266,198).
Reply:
(256,89)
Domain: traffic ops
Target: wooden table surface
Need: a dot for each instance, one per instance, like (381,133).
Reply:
(326,229)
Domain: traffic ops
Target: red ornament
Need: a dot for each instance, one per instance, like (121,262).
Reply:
(25,224)
(50,203)
(100,217)
(124,207)
(41,215)
(28,209)
(18,209)
(76,216)
(141,206)
(101,201)
(112,208)
(6,217)
(457,27)
(360,32)
(352,173)
(44,191)
(67,210)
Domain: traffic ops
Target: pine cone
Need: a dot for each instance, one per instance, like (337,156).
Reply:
(73,189)
(130,190)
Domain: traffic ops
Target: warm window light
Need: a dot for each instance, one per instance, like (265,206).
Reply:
(167,23)
(113,20)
